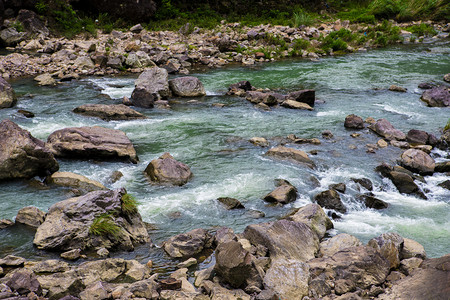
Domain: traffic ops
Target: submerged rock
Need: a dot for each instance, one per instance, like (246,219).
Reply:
(385,129)
(7,95)
(167,170)
(303,96)
(230,203)
(69,179)
(283,194)
(396,88)
(45,79)
(291,154)
(330,199)
(187,87)
(437,96)
(92,142)
(22,155)
(296,105)
(97,219)
(109,112)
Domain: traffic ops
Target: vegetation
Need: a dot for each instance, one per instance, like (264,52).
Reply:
(422,30)
(129,204)
(447,126)
(104,225)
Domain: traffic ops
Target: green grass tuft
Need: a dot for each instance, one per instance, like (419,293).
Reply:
(104,225)
(422,30)
(129,204)
(447,127)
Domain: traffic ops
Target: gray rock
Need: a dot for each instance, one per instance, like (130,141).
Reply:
(437,96)
(256,97)
(109,112)
(69,224)
(283,194)
(364,182)
(71,254)
(10,37)
(188,244)
(22,155)
(84,62)
(284,239)
(24,282)
(390,246)
(304,96)
(7,95)
(167,170)
(187,86)
(114,62)
(136,28)
(330,199)
(76,181)
(92,142)
(313,216)
(354,122)
(12,261)
(32,23)
(288,278)
(372,202)
(296,105)
(5,223)
(385,129)
(417,137)
(291,154)
(418,161)
(31,216)
(45,79)
(412,248)
(230,203)
(95,291)
(50,266)
(154,81)
(338,243)
(405,183)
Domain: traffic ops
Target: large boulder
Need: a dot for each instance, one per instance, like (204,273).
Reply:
(418,161)
(437,96)
(24,281)
(338,243)
(187,87)
(385,129)
(411,249)
(347,270)
(291,154)
(285,239)
(283,194)
(92,142)
(390,246)
(154,83)
(22,155)
(188,244)
(429,281)
(76,181)
(330,199)
(313,216)
(405,183)
(167,170)
(10,37)
(97,219)
(303,96)
(31,216)
(109,112)
(32,23)
(7,95)
(417,137)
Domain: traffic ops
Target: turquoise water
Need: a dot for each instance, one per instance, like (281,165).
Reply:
(214,143)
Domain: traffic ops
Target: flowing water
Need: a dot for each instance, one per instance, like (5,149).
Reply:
(213,141)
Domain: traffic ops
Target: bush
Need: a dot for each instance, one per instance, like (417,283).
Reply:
(104,225)
(129,204)
(422,30)
(302,18)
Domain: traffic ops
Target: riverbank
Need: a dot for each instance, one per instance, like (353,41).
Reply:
(121,52)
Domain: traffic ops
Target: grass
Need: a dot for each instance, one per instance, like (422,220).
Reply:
(104,225)
(302,18)
(129,204)
(447,126)
(422,30)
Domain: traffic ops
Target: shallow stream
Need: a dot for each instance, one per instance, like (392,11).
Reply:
(213,141)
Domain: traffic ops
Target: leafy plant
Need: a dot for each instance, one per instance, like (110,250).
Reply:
(18,26)
(422,30)
(129,204)
(104,225)
(302,18)
(447,126)
(41,7)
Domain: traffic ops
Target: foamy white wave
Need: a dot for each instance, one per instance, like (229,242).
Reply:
(328,113)
(398,110)
(114,87)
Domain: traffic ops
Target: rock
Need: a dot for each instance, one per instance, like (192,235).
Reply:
(230,203)
(143,98)
(418,161)
(426,85)
(390,246)
(26,113)
(12,261)
(5,223)
(167,170)
(372,202)
(283,194)
(405,183)
(396,88)
(83,62)
(63,284)
(256,97)
(102,252)
(364,182)
(338,187)
(437,97)
(225,44)
(114,62)
(45,80)
(203,275)
(417,285)
(188,244)
(259,141)
(7,95)
(32,23)
(136,28)
(241,85)
(330,199)
(24,282)
(233,263)
(412,248)
(291,154)
(109,112)
(296,105)
(219,293)
(71,254)
(187,263)
(313,216)
(79,182)
(358,267)
(94,291)
(154,81)
(445,184)
(386,130)
(327,134)
(284,239)
(146,289)
(417,137)
(408,265)
(31,216)
(354,122)
(22,155)
(447,77)
(338,243)
(10,37)
(92,142)
(76,223)
(304,96)
(288,278)
(50,266)
(187,86)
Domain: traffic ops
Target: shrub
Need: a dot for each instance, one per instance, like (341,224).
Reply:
(447,126)
(18,26)
(422,30)
(302,18)
(104,225)
(129,204)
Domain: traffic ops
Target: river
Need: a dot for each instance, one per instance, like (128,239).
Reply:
(213,141)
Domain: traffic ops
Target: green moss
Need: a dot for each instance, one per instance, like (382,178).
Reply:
(104,225)
(129,204)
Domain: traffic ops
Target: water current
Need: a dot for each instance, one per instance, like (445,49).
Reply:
(213,141)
